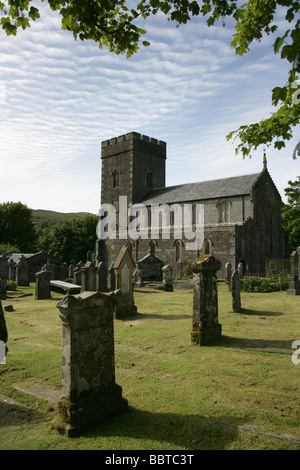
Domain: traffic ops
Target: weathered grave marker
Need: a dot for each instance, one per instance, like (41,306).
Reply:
(42,285)
(206,326)
(89,391)
(167,278)
(236,291)
(294,284)
(124,267)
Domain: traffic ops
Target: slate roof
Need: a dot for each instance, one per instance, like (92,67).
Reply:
(212,189)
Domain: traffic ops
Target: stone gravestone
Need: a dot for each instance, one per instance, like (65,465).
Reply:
(112,277)
(22,272)
(3,267)
(167,278)
(89,275)
(3,336)
(101,277)
(77,273)
(12,270)
(236,291)
(228,273)
(294,284)
(124,267)
(206,326)
(42,285)
(50,268)
(150,268)
(71,270)
(3,289)
(89,391)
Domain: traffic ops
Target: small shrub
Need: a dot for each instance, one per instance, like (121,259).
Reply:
(257,284)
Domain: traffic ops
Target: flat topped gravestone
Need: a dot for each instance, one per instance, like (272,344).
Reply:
(42,285)
(89,391)
(66,286)
(206,326)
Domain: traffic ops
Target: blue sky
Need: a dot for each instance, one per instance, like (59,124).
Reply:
(60,98)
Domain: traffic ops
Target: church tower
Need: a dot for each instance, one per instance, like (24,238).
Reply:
(132,165)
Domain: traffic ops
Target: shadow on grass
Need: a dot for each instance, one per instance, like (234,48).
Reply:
(255,344)
(14,414)
(155,316)
(186,431)
(260,313)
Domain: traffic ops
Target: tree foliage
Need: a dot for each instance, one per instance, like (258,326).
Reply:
(70,240)
(16,226)
(291,213)
(115,24)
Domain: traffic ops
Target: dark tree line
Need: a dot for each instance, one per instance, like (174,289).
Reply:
(68,240)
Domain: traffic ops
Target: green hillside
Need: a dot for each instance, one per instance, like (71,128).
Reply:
(43,217)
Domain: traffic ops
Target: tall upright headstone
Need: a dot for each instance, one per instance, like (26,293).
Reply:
(3,336)
(3,288)
(167,273)
(294,284)
(42,285)
(3,267)
(112,277)
(77,273)
(12,270)
(124,267)
(228,273)
(89,391)
(206,327)
(89,275)
(236,291)
(22,272)
(101,279)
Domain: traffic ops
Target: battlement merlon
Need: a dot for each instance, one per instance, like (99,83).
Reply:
(133,141)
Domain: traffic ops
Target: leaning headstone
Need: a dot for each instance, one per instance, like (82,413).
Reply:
(89,392)
(167,278)
(124,267)
(228,273)
(42,285)
(236,291)
(3,287)
(206,327)
(22,272)
(3,336)
(101,279)
(294,284)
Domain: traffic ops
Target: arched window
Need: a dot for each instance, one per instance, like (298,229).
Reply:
(223,211)
(178,251)
(149,179)
(268,229)
(116,179)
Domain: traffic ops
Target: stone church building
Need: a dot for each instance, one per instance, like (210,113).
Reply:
(242,214)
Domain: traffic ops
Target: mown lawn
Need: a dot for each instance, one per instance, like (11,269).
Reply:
(242,392)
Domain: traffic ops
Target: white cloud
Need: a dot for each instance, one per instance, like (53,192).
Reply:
(60,98)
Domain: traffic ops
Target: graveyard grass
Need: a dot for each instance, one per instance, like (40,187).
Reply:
(241,392)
